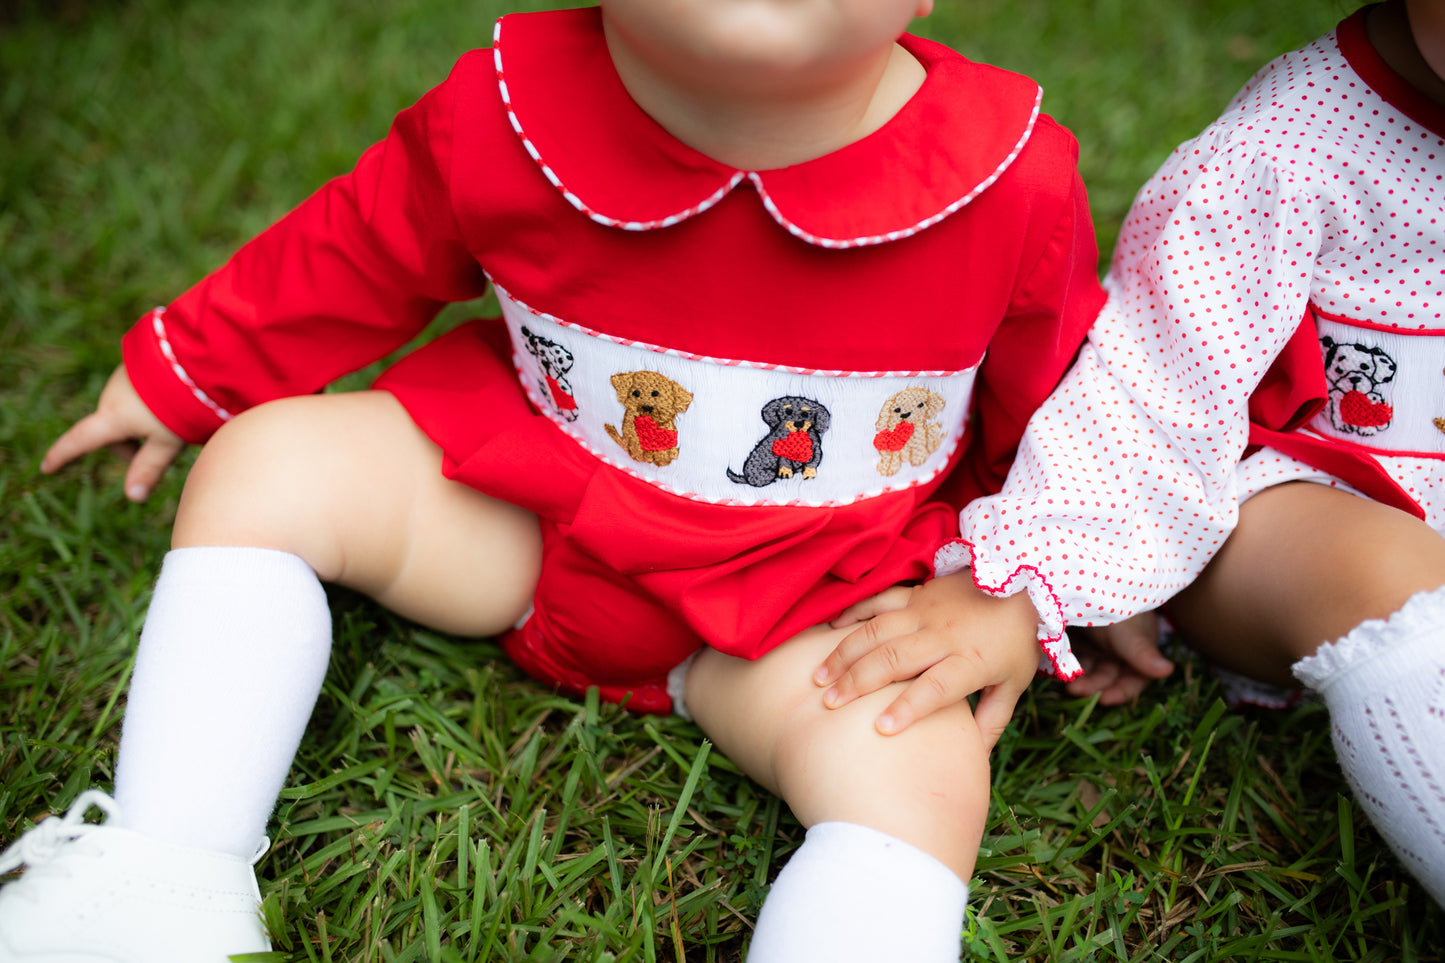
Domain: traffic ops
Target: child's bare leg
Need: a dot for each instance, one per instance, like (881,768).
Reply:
(927,787)
(232,657)
(1345,594)
(235,647)
(351,485)
(1306,564)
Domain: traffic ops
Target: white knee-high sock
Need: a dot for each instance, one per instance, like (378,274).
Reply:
(1384,685)
(851,894)
(229,666)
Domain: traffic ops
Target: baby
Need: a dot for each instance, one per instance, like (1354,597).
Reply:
(691,212)
(1272,355)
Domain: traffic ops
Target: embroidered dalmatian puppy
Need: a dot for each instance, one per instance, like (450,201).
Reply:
(555,362)
(792,446)
(1359,377)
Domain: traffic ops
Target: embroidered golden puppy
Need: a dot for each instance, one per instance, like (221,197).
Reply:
(651,404)
(907,430)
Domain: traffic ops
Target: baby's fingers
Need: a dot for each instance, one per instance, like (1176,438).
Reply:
(1129,687)
(90,433)
(943,684)
(1100,676)
(870,657)
(149,463)
(994,712)
(889,600)
(1136,641)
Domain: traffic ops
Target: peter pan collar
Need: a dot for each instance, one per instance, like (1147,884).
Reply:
(614,163)
(1354,44)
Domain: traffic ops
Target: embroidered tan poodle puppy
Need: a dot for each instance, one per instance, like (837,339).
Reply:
(907,429)
(651,403)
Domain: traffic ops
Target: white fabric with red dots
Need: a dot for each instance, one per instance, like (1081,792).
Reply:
(1422,478)
(1311,191)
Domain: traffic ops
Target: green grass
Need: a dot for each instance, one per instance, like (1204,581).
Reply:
(444,807)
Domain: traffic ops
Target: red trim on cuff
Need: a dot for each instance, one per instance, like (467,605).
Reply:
(1001,590)
(154,379)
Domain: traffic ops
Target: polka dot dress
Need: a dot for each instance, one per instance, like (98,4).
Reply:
(1318,192)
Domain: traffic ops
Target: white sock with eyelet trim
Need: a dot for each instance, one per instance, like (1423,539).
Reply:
(230,662)
(1384,685)
(852,894)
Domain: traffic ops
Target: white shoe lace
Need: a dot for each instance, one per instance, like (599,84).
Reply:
(41,844)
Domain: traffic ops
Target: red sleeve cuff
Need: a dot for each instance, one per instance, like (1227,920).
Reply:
(163,383)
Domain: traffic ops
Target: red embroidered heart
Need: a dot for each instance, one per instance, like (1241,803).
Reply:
(560,398)
(651,437)
(797,446)
(1357,409)
(894,438)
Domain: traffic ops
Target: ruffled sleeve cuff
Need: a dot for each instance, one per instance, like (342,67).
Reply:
(1003,579)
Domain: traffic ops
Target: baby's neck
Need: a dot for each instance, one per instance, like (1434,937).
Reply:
(1409,35)
(774,129)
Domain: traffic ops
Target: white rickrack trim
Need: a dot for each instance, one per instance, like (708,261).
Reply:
(709,359)
(927,222)
(159,327)
(572,198)
(755,177)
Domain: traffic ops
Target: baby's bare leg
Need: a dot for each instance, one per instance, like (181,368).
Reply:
(237,639)
(927,787)
(1346,595)
(1306,564)
(352,486)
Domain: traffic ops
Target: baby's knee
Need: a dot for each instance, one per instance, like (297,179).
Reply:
(1379,576)
(250,442)
(1393,577)
(271,477)
(941,755)
(928,785)
(242,464)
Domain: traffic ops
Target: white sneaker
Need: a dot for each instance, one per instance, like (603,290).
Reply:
(101,894)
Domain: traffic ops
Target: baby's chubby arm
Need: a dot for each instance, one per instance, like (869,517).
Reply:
(950,638)
(120,421)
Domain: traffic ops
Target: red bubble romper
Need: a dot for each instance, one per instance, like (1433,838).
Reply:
(738,401)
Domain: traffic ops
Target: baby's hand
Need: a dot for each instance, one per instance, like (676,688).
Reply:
(948,636)
(119,421)
(1119,660)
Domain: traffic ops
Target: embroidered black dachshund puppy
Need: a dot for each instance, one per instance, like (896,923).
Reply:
(794,443)
(555,362)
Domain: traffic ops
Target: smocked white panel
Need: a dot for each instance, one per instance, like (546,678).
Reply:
(1386,387)
(723,423)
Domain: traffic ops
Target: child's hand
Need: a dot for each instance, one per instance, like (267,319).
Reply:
(120,420)
(948,636)
(1119,660)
